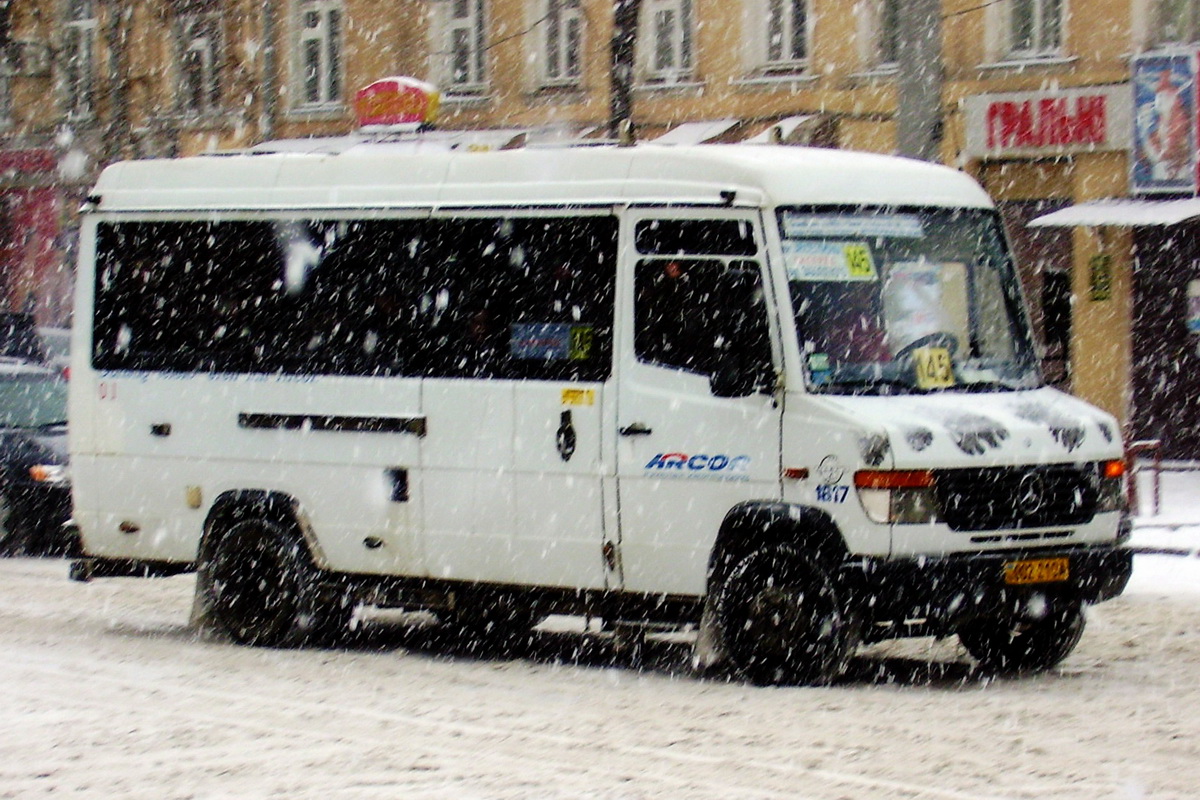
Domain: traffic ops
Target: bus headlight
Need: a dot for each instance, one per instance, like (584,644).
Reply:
(897,496)
(1111,494)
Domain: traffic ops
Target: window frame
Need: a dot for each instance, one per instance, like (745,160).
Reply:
(329,77)
(462,35)
(1038,31)
(559,21)
(1158,23)
(208,94)
(78,63)
(677,42)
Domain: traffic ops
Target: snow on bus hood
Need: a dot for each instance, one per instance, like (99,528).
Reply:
(958,429)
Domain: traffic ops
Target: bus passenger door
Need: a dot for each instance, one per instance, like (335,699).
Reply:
(698,421)
(513,473)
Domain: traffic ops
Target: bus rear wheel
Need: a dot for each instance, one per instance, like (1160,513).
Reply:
(264,591)
(783,621)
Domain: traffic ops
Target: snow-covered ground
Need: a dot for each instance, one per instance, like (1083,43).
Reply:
(107,693)
(1169,536)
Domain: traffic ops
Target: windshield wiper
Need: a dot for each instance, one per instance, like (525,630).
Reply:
(871,386)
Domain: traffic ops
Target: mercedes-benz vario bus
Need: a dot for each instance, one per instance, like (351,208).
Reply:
(787,397)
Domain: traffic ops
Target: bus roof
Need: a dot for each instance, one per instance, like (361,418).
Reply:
(404,175)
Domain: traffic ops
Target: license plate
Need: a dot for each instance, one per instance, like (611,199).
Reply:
(1037,570)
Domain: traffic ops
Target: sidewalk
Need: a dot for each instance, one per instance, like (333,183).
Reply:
(1167,539)
(1174,527)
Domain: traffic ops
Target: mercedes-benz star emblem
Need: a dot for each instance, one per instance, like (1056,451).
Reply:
(1031,494)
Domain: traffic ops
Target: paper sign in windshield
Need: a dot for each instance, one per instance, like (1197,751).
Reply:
(829,261)
(891,226)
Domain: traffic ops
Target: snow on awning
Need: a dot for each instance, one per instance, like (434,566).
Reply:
(1121,212)
(695,132)
(786,127)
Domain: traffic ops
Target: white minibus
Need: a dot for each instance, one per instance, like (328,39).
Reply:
(786,398)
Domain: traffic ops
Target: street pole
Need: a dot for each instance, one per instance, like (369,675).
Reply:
(622,54)
(919,80)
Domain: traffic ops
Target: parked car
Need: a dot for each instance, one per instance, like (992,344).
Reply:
(56,343)
(19,338)
(35,490)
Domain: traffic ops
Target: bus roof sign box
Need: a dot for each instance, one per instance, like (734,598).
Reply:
(396,103)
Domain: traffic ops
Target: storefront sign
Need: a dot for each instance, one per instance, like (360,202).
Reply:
(1048,123)
(397,102)
(1164,131)
(1100,277)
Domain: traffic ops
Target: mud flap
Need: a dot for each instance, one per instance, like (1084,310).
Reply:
(708,653)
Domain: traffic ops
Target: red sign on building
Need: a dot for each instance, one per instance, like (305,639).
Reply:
(1049,123)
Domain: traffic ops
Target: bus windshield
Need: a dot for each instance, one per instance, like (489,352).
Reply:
(894,301)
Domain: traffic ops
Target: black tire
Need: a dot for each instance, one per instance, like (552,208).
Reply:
(1010,646)
(14,540)
(782,620)
(264,591)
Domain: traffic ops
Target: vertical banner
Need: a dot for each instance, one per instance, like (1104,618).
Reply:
(1164,127)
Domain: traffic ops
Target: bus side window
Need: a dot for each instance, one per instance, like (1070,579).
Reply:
(689,313)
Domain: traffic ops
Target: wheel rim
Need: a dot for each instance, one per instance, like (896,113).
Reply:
(254,583)
(783,624)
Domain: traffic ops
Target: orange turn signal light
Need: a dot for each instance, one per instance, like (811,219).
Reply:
(1113,469)
(893,479)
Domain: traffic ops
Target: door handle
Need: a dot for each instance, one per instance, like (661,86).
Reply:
(636,429)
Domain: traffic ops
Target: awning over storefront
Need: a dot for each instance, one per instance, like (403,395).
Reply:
(786,127)
(1122,212)
(695,132)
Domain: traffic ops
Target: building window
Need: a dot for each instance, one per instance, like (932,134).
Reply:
(319,53)
(666,39)
(459,47)
(1035,27)
(79,58)
(787,31)
(887,32)
(1176,22)
(562,24)
(198,42)
(777,35)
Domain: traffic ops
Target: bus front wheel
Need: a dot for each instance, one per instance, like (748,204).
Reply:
(782,619)
(1029,644)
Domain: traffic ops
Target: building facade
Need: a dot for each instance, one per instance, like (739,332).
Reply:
(1038,101)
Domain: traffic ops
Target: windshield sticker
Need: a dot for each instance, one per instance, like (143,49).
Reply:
(819,367)
(701,465)
(829,261)
(890,226)
(935,369)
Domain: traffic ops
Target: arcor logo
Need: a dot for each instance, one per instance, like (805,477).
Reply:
(700,463)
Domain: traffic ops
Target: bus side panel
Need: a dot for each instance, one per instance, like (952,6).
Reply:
(167,461)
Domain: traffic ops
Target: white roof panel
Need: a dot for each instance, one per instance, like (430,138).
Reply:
(392,175)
